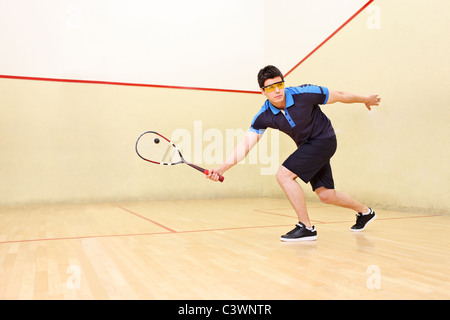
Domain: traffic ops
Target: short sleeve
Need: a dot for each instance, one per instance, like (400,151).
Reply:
(258,124)
(316,94)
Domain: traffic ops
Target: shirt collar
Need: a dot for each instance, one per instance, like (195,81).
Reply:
(289,102)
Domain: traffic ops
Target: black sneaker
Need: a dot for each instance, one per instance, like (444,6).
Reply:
(363,220)
(300,233)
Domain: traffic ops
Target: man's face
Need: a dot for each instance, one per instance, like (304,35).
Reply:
(274,91)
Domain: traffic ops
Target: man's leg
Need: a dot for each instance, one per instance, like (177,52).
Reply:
(331,196)
(294,192)
(337,198)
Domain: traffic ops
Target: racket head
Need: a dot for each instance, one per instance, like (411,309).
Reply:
(155,148)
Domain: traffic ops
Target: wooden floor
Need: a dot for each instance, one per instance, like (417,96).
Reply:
(218,249)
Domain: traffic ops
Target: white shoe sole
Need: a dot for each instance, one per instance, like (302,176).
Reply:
(311,238)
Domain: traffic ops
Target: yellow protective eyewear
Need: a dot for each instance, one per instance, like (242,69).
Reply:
(273,87)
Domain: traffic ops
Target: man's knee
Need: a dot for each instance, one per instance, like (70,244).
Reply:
(326,195)
(284,174)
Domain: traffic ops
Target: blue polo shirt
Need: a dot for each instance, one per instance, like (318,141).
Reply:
(302,119)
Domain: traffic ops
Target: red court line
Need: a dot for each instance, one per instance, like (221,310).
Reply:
(125,84)
(188,231)
(145,218)
(139,234)
(284,215)
(332,35)
(384,219)
(83,237)
(344,221)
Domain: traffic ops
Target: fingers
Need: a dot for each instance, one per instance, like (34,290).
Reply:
(373,101)
(377,101)
(213,176)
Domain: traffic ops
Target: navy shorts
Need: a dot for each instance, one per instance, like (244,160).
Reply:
(311,162)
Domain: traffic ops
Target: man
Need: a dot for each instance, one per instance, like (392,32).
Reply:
(296,112)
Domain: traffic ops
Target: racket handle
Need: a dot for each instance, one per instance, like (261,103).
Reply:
(221,178)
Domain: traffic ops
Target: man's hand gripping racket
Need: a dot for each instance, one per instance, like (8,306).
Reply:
(155,148)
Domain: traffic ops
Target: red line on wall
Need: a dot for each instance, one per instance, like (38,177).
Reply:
(331,35)
(125,84)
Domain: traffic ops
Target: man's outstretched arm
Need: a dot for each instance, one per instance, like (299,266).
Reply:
(347,97)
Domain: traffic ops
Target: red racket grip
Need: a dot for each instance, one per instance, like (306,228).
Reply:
(221,178)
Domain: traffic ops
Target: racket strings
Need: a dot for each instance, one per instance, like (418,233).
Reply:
(157,149)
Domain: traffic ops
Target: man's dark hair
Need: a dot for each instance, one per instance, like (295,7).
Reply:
(268,72)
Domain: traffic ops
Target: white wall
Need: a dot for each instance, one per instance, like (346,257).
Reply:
(70,142)
(196,43)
